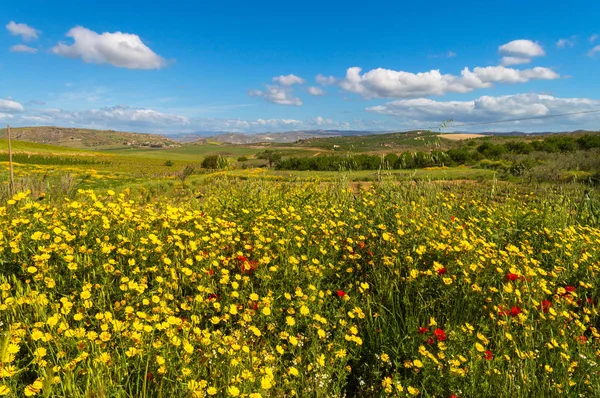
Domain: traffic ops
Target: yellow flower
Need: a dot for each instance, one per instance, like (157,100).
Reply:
(4,390)
(266,382)
(479,347)
(293,260)
(412,390)
(34,388)
(233,391)
(211,391)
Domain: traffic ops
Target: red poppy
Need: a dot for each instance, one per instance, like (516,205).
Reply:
(439,334)
(570,288)
(422,330)
(453,218)
(149,376)
(341,293)
(211,272)
(591,302)
(512,277)
(546,304)
(361,245)
(488,355)
(514,311)
(582,339)
(213,296)
(442,271)
(453,396)
(430,341)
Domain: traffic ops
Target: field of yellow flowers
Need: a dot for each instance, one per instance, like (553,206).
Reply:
(275,289)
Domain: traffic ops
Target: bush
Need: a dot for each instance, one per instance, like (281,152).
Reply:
(214,162)
(242,159)
(169,163)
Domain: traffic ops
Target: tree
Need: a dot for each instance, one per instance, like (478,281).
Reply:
(270,156)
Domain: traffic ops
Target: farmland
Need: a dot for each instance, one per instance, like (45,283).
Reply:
(126,275)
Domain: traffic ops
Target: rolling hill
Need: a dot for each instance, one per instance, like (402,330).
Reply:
(87,138)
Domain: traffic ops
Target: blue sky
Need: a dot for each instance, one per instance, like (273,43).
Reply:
(182,66)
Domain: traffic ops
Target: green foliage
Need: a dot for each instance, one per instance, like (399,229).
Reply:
(214,162)
(169,163)
(270,156)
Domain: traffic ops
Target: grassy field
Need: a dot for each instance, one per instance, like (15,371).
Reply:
(128,277)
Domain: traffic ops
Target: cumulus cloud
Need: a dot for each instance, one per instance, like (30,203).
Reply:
(147,120)
(325,80)
(8,105)
(288,80)
(522,48)
(22,48)
(119,49)
(316,91)
(386,83)
(20,29)
(594,51)
(277,95)
(520,52)
(116,117)
(562,43)
(501,74)
(488,108)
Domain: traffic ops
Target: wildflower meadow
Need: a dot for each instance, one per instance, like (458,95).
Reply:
(280,289)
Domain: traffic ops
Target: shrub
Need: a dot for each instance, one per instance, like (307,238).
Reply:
(214,162)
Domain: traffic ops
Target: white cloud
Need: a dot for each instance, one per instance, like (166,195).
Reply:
(522,49)
(325,80)
(386,83)
(22,48)
(593,38)
(594,51)
(277,95)
(487,109)
(317,91)
(520,52)
(20,29)
(117,117)
(119,49)
(8,105)
(125,118)
(514,61)
(562,43)
(501,74)
(288,80)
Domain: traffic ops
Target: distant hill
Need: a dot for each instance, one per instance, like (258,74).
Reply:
(87,138)
(287,137)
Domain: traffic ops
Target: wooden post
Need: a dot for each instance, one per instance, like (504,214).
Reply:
(10,165)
